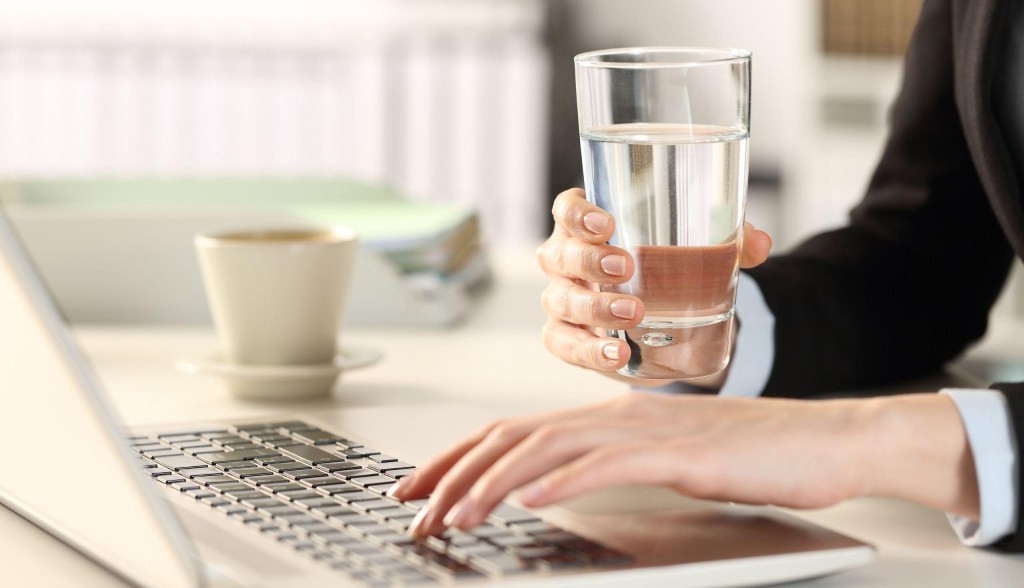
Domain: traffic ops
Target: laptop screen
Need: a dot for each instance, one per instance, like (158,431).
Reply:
(62,464)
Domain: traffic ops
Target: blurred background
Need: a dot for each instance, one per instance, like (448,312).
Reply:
(440,129)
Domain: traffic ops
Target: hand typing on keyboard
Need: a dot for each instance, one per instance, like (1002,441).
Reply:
(323,495)
(756,451)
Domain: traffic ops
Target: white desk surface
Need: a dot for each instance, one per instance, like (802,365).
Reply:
(495,361)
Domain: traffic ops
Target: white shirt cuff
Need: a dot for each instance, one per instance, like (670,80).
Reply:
(754,354)
(986,419)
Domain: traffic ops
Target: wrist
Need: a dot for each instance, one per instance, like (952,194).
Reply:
(915,447)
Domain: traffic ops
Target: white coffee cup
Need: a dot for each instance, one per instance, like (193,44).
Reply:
(278,295)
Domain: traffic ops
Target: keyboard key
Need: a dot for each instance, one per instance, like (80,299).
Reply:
(357,496)
(331,510)
(291,426)
(232,487)
(314,501)
(214,501)
(300,494)
(381,458)
(266,480)
(200,493)
(510,541)
(279,510)
(216,434)
(221,479)
(231,508)
(532,527)
(162,452)
(252,428)
(268,437)
(302,474)
(185,445)
(312,455)
(201,473)
(314,483)
(180,462)
(302,521)
(378,504)
(179,438)
(284,487)
(338,466)
(497,564)
(260,502)
(463,553)
(390,466)
(273,459)
(332,489)
(505,514)
(350,474)
(372,480)
(247,494)
(230,456)
(401,521)
(317,437)
(488,531)
(227,439)
(356,452)
(201,449)
(251,472)
(149,446)
(242,446)
(287,466)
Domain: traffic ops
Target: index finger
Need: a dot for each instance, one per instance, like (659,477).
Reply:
(577,217)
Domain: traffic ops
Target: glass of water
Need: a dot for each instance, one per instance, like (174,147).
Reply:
(664,132)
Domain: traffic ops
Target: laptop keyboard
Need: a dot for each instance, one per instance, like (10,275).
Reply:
(323,495)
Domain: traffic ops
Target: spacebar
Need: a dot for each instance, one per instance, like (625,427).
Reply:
(309,454)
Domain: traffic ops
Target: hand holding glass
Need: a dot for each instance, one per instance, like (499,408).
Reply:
(664,138)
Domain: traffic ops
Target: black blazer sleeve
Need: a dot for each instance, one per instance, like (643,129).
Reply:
(910,281)
(1015,399)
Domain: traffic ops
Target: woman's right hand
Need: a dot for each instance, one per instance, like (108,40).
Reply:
(577,259)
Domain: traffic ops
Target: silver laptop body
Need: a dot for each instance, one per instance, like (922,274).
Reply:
(54,409)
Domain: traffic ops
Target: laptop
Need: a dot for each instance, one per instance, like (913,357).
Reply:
(290,501)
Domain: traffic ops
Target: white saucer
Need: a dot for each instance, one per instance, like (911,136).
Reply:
(281,382)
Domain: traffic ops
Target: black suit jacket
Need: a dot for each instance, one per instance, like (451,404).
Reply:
(909,283)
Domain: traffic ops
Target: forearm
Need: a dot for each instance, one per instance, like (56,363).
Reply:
(914,447)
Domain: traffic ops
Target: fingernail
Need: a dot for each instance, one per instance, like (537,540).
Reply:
(532,493)
(614,265)
(459,514)
(595,222)
(400,487)
(624,308)
(611,351)
(395,490)
(415,527)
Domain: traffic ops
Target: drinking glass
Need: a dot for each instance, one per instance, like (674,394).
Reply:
(664,132)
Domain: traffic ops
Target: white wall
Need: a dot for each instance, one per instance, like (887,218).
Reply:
(782,34)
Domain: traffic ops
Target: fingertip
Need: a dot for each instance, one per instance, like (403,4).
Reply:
(756,248)
(614,353)
(536,494)
(597,226)
(596,222)
(611,351)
